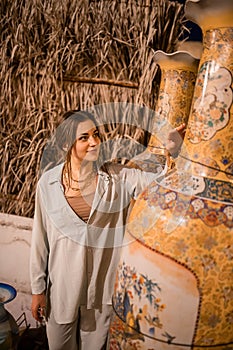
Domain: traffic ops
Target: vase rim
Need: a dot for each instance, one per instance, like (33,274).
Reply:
(209,15)
(176,53)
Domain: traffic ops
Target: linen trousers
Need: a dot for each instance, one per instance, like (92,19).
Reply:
(88,332)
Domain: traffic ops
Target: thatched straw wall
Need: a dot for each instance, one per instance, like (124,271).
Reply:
(58,55)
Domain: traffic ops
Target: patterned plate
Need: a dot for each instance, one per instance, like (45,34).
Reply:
(7,293)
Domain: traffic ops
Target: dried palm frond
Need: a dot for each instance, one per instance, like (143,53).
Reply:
(53,53)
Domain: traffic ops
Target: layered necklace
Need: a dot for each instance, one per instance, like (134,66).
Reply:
(80,184)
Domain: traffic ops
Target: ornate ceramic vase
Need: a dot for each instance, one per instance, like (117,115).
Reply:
(209,136)
(8,326)
(174,286)
(178,76)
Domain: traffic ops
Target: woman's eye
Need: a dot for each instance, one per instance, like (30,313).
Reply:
(83,138)
(96,135)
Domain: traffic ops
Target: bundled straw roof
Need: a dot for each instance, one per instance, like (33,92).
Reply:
(58,55)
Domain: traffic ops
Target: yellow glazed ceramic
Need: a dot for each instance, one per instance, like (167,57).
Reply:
(175,274)
(208,139)
(174,286)
(178,76)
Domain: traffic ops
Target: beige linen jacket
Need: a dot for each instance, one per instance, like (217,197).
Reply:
(73,261)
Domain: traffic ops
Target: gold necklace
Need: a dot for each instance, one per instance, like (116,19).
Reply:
(91,175)
(85,183)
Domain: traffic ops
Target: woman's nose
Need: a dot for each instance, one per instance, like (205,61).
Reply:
(92,141)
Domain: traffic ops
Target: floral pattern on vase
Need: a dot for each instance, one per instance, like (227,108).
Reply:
(202,186)
(208,139)
(141,303)
(204,260)
(211,112)
(178,76)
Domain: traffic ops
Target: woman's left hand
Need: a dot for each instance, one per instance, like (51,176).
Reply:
(38,306)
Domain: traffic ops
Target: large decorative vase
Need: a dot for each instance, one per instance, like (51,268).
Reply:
(174,286)
(8,327)
(178,76)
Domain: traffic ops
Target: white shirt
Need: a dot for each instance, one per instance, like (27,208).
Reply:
(73,261)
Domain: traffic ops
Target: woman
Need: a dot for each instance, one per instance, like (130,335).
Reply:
(80,215)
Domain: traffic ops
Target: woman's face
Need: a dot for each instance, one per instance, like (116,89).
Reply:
(86,146)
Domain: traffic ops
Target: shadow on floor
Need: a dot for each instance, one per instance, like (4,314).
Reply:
(33,339)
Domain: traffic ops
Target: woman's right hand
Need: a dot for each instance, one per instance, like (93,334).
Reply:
(175,140)
(38,306)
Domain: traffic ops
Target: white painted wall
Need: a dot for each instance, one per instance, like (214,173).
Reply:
(15,241)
